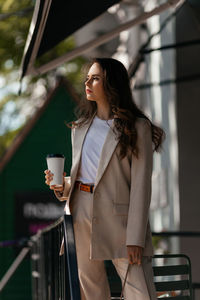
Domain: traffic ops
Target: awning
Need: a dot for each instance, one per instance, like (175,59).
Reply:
(53,21)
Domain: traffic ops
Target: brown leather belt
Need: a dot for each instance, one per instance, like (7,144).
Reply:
(84,187)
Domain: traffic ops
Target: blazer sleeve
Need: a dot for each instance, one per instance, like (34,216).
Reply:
(66,191)
(140,190)
(67,180)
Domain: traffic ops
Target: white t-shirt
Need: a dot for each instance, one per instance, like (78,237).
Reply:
(91,151)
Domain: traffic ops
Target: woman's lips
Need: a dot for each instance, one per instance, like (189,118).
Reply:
(88,91)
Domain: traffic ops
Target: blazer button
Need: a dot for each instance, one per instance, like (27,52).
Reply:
(95,220)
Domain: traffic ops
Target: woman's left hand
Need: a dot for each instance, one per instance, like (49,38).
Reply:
(135,254)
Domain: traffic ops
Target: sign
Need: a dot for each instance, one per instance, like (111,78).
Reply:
(35,211)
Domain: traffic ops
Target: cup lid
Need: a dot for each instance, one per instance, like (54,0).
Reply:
(55,155)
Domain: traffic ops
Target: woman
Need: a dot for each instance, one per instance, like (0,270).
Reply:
(110,190)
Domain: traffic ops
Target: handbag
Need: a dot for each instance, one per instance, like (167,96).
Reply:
(122,292)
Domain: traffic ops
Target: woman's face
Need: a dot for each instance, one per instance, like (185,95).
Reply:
(94,84)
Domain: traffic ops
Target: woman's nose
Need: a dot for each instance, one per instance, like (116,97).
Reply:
(87,82)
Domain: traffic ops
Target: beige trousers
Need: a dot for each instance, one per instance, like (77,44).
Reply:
(92,274)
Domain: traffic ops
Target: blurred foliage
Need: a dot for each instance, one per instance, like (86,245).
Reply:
(7,139)
(13,32)
(15,19)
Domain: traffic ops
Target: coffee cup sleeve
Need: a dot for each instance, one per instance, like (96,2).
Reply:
(63,196)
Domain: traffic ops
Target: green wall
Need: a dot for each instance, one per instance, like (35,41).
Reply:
(25,172)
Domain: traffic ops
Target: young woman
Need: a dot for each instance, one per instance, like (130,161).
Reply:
(109,189)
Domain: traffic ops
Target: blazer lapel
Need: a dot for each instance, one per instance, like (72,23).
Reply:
(109,146)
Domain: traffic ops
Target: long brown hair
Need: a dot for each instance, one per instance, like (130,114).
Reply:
(122,107)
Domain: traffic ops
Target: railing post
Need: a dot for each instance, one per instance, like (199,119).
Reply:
(70,255)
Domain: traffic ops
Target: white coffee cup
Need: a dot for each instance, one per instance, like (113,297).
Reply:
(55,163)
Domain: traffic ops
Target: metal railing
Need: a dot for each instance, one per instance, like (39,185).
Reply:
(59,285)
(55,276)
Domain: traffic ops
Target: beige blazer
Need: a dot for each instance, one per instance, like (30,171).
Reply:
(122,194)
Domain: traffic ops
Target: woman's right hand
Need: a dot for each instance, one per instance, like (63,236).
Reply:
(49,178)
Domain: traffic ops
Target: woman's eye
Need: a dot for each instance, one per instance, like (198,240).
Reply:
(93,78)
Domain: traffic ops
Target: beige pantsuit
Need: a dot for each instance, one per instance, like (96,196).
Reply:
(92,274)
(114,216)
